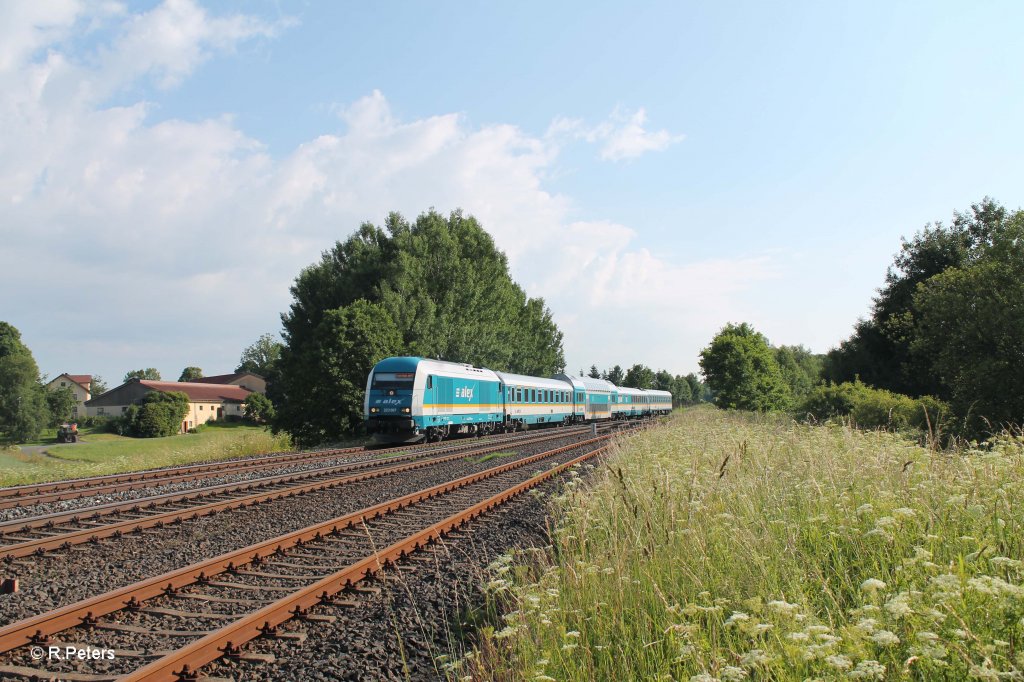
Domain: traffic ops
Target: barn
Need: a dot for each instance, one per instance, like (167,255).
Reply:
(206,401)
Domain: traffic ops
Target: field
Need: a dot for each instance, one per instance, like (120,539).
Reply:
(104,453)
(729,546)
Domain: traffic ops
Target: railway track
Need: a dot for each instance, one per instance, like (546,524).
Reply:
(71,489)
(170,626)
(60,530)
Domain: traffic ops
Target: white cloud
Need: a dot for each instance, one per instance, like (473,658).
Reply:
(623,135)
(134,242)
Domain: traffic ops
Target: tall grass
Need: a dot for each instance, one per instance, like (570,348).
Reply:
(728,547)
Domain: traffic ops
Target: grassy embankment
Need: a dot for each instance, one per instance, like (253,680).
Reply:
(730,547)
(105,453)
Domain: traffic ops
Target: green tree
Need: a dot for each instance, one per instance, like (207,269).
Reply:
(741,369)
(261,356)
(440,285)
(616,376)
(159,414)
(969,331)
(594,373)
(98,386)
(319,392)
(879,351)
(23,407)
(801,369)
(698,391)
(191,374)
(639,376)
(150,374)
(258,408)
(61,404)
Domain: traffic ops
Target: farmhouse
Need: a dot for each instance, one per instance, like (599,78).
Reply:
(206,402)
(81,387)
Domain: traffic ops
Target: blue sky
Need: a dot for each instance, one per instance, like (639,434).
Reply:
(166,169)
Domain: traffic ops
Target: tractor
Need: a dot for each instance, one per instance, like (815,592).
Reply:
(67,433)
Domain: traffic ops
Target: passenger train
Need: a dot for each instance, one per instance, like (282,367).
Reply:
(410,399)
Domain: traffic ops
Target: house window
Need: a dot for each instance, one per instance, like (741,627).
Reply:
(200,407)
(124,408)
(99,410)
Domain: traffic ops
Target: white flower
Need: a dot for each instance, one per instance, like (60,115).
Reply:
(783,607)
(704,677)
(867,670)
(737,617)
(885,638)
(872,585)
(898,606)
(733,674)
(864,509)
(904,513)
(753,657)
(839,661)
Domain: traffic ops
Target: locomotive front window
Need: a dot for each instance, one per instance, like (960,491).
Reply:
(387,380)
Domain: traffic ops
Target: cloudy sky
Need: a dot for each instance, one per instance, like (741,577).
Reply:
(167,169)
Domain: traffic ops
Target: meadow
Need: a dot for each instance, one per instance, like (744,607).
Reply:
(731,546)
(104,453)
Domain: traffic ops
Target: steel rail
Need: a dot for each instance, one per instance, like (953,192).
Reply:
(48,521)
(71,489)
(64,540)
(38,629)
(181,664)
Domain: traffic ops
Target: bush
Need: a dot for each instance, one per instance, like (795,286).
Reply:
(874,408)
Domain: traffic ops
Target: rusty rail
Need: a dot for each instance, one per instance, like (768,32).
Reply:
(38,629)
(180,664)
(41,545)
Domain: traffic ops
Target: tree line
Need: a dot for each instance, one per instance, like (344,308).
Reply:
(942,348)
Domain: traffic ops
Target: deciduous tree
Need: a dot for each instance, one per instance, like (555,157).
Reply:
(23,407)
(149,373)
(261,356)
(191,374)
(741,369)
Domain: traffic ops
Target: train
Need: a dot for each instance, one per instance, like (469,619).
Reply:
(413,399)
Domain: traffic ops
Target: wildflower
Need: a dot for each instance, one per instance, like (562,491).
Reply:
(573,633)
(867,670)
(761,628)
(867,625)
(753,657)
(737,617)
(506,631)
(872,585)
(884,522)
(783,607)
(865,509)
(1004,562)
(569,647)
(704,677)
(733,674)
(544,678)
(898,606)
(818,629)
(839,661)
(885,638)
(799,636)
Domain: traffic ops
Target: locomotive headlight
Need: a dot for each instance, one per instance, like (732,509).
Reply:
(374,410)
(405,410)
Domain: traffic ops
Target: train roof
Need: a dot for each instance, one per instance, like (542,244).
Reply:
(523,380)
(588,383)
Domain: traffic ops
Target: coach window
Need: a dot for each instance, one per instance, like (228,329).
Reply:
(533,395)
(430,381)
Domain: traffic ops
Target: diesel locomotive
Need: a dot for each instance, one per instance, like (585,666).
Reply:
(410,399)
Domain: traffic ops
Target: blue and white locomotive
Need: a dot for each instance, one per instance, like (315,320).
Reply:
(410,399)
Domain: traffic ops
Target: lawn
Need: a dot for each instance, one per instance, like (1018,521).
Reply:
(728,546)
(105,453)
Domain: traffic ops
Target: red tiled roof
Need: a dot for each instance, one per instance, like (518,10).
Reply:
(80,378)
(197,391)
(224,378)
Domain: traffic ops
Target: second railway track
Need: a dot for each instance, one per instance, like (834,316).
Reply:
(36,535)
(167,627)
